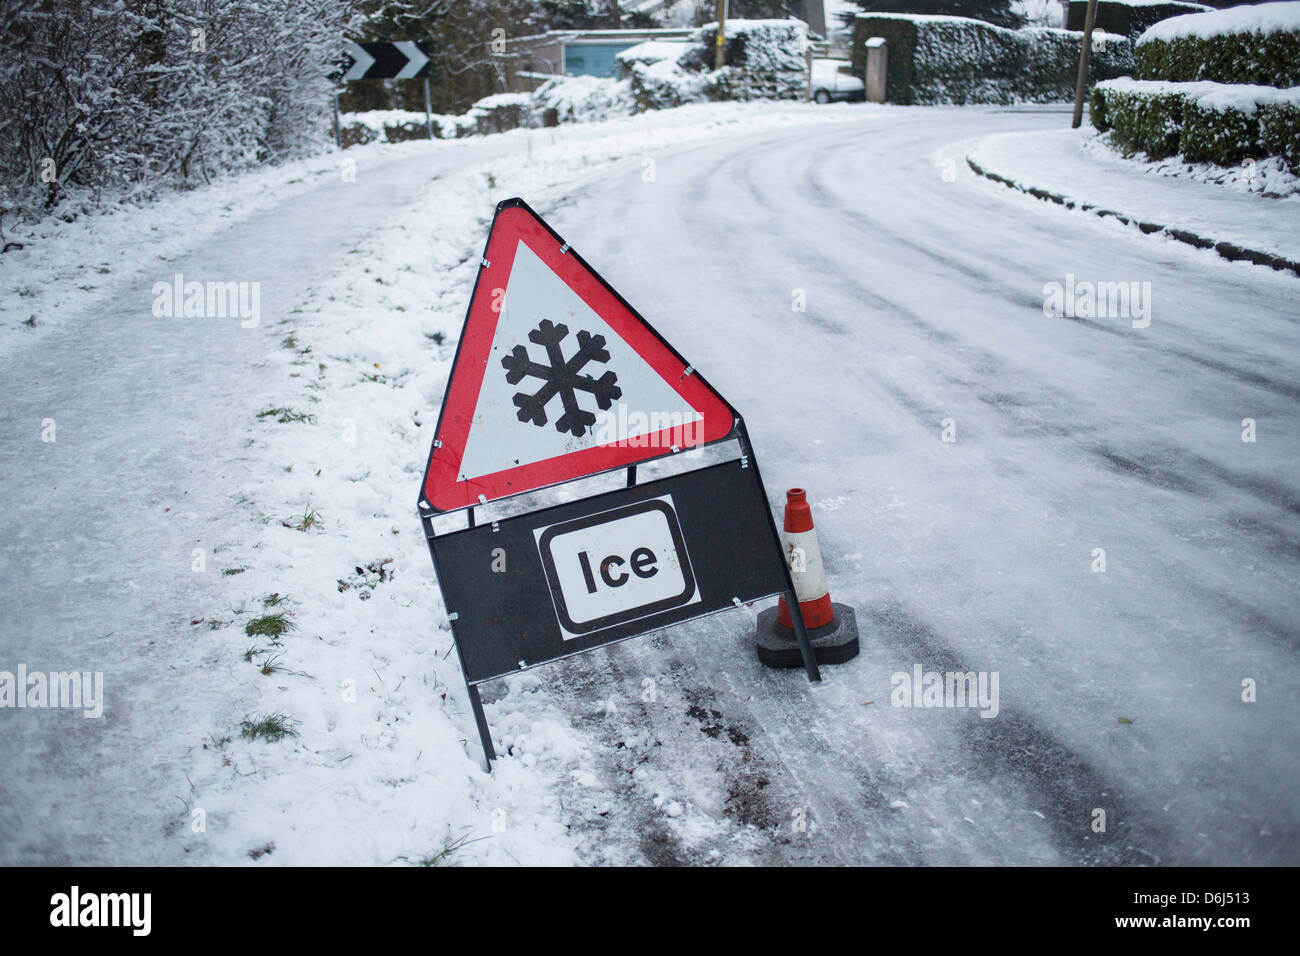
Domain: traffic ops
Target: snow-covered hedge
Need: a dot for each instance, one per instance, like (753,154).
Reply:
(765,59)
(1204,121)
(1252,44)
(1128,18)
(937,59)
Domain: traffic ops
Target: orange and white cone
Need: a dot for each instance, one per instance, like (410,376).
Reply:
(804,555)
(832,628)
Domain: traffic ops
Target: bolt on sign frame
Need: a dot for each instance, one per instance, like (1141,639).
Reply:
(679,555)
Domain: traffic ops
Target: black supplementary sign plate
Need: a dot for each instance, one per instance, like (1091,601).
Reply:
(575,576)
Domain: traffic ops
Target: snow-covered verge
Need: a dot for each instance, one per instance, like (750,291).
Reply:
(355,662)
(1270,177)
(954,60)
(1078,168)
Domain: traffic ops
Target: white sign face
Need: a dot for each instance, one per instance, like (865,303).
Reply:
(616,566)
(499,440)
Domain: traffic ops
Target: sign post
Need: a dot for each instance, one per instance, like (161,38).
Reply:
(389,60)
(547,345)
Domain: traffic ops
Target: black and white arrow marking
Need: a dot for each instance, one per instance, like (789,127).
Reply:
(400,60)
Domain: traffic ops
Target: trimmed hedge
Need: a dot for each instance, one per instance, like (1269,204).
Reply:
(1279,132)
(1223,137)
(1126,20)
(935,60)
(1161,121)
(1149,122)
(1264,59)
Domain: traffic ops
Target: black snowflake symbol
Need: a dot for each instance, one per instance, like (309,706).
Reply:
(561,378)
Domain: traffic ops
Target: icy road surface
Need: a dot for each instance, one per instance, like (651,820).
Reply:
(924,312)
(925,303)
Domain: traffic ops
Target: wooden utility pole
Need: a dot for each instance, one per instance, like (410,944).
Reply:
(1081,84)
(720,52)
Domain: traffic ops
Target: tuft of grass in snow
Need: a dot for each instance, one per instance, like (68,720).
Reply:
(449,848)
(218,742)
(274,599)
(271,728)
(270,666)
(308,520)
(269,625)
(286,415)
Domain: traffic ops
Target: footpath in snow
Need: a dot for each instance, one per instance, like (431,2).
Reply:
(1069,167)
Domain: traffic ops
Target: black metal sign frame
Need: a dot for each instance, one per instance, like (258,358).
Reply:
(488,652)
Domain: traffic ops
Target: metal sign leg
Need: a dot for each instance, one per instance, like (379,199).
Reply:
(484,733)
(801,635)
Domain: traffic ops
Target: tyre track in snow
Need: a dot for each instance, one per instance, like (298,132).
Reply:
(923,320)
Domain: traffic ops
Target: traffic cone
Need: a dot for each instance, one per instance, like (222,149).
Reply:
(832,628)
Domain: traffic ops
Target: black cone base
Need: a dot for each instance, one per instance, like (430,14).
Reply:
(835,643)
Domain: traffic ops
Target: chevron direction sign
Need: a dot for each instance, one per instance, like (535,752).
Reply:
(400,60)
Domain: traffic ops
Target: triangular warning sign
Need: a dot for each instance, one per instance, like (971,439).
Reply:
(557,377)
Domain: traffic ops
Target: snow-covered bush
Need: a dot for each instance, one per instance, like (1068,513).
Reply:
(1221,123)
(1128,17)
(1252,44)
(957,60)
(582,99)
(651,51)
(118,99)
(665,84)
(765,59)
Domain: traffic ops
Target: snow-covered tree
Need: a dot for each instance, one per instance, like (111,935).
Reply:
(115,98)
(999,12)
